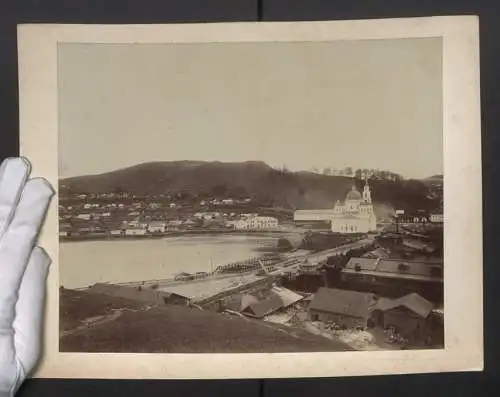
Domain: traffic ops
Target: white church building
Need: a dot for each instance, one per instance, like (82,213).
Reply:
(354,215)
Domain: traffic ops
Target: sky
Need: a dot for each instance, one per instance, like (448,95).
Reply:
(366,104)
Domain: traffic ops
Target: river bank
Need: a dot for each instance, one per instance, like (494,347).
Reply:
(179,233)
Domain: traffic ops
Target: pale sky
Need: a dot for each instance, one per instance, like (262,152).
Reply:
(365,104)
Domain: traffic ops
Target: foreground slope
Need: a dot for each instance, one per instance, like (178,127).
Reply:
(97,323)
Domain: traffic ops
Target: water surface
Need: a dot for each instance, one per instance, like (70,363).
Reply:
(84,263)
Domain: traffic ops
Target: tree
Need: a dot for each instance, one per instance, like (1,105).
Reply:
(333,261)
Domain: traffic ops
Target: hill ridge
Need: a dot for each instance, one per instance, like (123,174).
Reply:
(254,179)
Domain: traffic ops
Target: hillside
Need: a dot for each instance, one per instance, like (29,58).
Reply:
(268,186)
(94,323)
(433,180)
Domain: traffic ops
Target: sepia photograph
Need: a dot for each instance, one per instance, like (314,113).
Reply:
(251,197)
(254,196)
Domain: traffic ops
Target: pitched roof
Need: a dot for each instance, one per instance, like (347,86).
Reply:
(247,300)
(413,302)
(239,302)
(351,303)
(288,297)
(276,298)
(267,306)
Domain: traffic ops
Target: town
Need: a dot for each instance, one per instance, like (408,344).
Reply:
(98,216)
(367,281)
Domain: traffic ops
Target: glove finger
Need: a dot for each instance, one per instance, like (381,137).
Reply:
(29,309)
(17,243)
(14,173)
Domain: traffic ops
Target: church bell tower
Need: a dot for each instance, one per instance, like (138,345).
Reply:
(367,196)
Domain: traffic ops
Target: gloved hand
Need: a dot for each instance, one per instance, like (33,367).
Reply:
(23,271)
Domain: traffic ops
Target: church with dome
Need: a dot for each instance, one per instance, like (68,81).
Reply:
(353,215)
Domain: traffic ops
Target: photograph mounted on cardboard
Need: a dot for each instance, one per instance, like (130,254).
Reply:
(284,188)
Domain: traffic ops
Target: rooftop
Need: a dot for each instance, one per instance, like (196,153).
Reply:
(267,306)
(413,302)
(275,299)
(351,303)
(397,268)
(205,288)
(353,194)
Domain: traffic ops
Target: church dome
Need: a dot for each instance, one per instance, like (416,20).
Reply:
(353,195)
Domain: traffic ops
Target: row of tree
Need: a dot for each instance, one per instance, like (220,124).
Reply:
(360,173)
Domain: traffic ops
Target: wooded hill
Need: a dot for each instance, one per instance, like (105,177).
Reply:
(253,179)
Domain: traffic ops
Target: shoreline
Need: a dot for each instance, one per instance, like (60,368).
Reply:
(107,237)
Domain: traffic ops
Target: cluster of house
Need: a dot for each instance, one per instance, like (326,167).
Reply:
(129,225)
(254,222)
(137,219)
(100,208)
(434,217)
(226,201)
(410,315)
(245,221)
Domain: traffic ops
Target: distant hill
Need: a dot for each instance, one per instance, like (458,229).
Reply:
(268,186)
(433,179)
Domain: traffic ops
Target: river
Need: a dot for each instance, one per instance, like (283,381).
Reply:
(84,263)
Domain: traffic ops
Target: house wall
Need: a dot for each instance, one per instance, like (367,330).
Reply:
(157,229)
(341,319)
(437,218)
(135,232)
(407,323)
(350,225)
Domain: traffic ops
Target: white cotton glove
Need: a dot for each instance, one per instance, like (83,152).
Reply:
(23,271)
